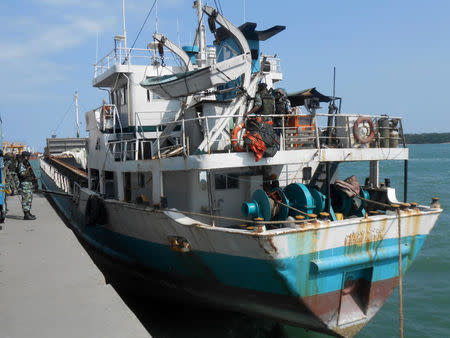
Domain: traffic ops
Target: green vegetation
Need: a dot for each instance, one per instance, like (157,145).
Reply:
(427,138)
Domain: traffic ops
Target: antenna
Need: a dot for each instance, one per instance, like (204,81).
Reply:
(334,83)
(124,27)
(178,33)
(156,20)
(96,49)
(76,113)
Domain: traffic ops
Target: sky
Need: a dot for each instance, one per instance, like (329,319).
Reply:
(390,56)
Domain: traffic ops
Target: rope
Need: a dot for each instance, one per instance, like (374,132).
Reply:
(140,31)
(229,218)
(400,276)
(292,208)
(64,117)
(400,259)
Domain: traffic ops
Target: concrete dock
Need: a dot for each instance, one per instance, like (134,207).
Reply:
(49,286)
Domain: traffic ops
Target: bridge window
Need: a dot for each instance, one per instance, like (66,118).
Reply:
(226,181)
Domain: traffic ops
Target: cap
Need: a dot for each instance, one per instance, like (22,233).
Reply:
(26,153)
(280,91)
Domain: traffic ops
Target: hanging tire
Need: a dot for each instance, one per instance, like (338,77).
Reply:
(95,211)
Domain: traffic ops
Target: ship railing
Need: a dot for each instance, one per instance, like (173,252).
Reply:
(109,118)
(273,62)
(293,132)
(134,56)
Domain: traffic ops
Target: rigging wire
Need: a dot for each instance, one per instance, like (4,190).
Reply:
(219,7)
(64,117)
(140,30)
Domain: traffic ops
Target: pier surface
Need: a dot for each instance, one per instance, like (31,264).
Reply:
(49,286)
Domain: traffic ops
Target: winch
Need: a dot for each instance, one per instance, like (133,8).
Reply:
(279,203)
(349,206)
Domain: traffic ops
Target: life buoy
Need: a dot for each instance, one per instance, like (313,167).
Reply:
(367,137)
(234,137)
(95,211)
(106,111)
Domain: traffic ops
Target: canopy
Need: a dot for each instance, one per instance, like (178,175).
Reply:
(298,98)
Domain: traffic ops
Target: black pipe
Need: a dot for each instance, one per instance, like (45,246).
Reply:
(405,182)
(54,193)
(328,203)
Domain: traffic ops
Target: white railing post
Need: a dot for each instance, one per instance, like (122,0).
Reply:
(184,137)
(316,128)
(208,146)
(158,142)
(136,150)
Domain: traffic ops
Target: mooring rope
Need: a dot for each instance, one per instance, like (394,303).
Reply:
(297,210)
(400,275)
(260,222)
(400,260)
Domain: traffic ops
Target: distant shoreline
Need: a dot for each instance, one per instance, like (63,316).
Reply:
(428,138)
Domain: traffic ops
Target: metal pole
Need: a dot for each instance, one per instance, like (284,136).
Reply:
(76,114)
(405,182)
(124,27)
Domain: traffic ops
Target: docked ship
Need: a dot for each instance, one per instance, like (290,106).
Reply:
(172,191)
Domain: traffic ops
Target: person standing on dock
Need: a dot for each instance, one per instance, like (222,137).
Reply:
(26,177)
(12,180)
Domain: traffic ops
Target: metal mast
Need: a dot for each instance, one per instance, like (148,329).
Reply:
(76,113)
(124,27)
(200,38)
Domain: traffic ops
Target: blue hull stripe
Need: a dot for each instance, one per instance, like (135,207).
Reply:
(290,276)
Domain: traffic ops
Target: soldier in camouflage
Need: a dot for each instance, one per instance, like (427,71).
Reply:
(264,103)
(282,107)
(12,180)
(26,177)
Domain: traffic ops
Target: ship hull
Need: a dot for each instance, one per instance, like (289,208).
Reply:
(329,278)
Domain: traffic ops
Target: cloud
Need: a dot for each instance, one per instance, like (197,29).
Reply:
(74,3)
(43,39)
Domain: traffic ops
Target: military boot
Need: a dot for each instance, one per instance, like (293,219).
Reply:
(28,216)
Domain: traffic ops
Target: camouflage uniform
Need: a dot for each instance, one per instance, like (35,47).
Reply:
(282,107)
(26,187)
(12,180)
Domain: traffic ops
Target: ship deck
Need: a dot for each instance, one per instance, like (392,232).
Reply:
(50,287)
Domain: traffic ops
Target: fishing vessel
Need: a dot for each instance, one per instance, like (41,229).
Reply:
(171,191)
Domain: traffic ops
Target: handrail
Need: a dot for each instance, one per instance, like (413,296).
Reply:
(307,134)
(121,55)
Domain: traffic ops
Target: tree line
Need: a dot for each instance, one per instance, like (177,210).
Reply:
(427,138)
